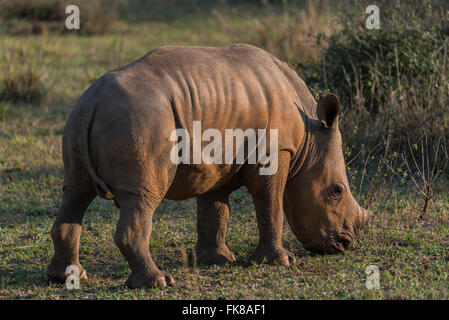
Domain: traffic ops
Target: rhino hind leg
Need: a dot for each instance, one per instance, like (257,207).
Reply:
(66,231)
(132,238)
(212,223)
(267,193)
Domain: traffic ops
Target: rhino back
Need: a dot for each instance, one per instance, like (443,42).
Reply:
(228,86)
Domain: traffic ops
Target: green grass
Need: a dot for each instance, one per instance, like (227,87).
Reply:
(412,253)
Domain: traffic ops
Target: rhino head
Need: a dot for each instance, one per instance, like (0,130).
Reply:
(318,203)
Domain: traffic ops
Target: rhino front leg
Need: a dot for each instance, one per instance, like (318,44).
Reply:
(132,237)
(212,222)
(267,192)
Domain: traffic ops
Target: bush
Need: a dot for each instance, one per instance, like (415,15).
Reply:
(377,62)
(395,79)
(295,36)
(96,19)
(393,84)
(21,86)
(42,10)
(19,78)
(38,16)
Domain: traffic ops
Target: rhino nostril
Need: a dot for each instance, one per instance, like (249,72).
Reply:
(345,242)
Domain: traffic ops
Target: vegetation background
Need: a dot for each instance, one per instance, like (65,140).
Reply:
(394,87)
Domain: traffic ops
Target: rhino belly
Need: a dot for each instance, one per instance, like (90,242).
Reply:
(194,180)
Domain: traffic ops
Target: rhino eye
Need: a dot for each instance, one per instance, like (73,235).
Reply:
(336,191)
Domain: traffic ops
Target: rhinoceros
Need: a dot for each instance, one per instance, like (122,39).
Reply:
(118,142)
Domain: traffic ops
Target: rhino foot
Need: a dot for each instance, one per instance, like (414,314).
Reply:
(57,272)
(221,255)
(273,255)
(159,279)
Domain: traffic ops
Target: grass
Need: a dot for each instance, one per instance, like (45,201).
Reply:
(411,253)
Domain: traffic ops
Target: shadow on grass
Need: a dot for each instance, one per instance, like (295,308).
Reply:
(23,276)
(16,174)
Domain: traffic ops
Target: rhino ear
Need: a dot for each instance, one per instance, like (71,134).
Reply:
(328,109)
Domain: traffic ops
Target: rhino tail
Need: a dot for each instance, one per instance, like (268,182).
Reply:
(84,124)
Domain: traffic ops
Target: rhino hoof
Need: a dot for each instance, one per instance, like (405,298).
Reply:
(57,272)
(210,256)
(159,279)
(272,255)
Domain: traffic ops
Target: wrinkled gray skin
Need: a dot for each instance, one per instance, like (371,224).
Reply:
(116,145)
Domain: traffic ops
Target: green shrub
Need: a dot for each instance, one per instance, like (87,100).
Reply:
(394,80)
(4,110)
(21,86)
(95,17)
(20,79)
(34,16)
(42,10)
(379,61)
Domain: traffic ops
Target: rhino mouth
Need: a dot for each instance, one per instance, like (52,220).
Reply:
(333,245)
(339,246)
(341,242)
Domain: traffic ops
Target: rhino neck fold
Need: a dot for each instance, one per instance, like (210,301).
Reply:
(301,154)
